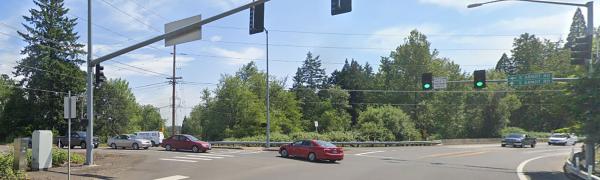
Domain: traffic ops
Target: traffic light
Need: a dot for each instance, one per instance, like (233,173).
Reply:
(257,19)
(427,81)
(479,79)
(581,50)
(340,6)
(99,74)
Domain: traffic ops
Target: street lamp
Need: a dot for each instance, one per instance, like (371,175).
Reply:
(590,32)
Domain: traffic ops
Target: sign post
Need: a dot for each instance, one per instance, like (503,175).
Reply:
(70,106)
(317,126)
(440,82)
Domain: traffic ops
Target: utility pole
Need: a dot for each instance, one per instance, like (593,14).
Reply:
(89,154)
(173,82)
(268,94)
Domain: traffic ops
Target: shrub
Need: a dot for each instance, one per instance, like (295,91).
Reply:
(6,165)
(342,136)
(509,130)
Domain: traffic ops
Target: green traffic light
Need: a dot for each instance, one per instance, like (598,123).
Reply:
(426,86)
(479,84)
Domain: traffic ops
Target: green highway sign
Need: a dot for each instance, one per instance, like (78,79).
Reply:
(530,79)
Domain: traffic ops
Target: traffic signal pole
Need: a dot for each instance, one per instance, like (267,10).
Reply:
(590,152)
(89,155)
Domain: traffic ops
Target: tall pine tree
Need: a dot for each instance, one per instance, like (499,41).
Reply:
(505,64)
(577,28)
(52,59)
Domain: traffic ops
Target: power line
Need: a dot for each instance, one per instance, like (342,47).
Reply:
(444,91)
(150,85)
(131,16)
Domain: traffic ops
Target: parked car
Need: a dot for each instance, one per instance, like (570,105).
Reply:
(313,150)
(78,138)
(519,140)
(562,139)
(155,137)
(128,140)
(185,142)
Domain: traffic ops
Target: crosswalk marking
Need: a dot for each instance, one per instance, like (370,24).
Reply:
(223,155)
(192,158)
(176,177)
(180,160)
(255,152)
(203,156)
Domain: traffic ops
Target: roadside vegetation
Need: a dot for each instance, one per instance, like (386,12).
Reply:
(59,159)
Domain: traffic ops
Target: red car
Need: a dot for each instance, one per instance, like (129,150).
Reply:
(314,150)
(185,142)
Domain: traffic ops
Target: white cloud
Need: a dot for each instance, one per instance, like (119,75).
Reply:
(391,37)
(216,38)
(240,57)
(148,62)
(228,4)
(136,18)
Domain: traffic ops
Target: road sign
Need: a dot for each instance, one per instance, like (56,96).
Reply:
(316,123)
(530,79)
(187,37)
(440,82)
(73,106)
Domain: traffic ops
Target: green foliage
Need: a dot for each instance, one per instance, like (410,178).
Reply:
(116,109)
(377,122)
(150,118)
(508,130)
(60,157)
(6,167)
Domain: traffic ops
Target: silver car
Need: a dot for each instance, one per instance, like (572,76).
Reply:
(128,141)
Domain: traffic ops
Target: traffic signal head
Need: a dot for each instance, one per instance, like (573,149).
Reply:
(479,79)
(257,19)
(581,50)
(99,74)
(340,6)
(427,81)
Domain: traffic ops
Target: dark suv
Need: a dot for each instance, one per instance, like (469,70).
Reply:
(519,140)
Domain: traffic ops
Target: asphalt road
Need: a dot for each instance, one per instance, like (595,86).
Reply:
(438,162)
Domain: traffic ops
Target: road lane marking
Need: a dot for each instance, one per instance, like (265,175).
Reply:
(179,160)
(223,155)
(468,154)
(192,158)
(521,173)
(540,151)
(255,152)
(446,154)
(176,177)
(202,156)
(370,152)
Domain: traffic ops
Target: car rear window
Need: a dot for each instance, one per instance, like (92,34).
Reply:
(515,136)
(559,136)
(325,144)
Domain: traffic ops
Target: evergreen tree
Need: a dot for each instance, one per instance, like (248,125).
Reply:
(577,28)
(310,75)
(505,64)
(52,59)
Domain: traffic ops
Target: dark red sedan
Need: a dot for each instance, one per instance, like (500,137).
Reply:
(185,142)
(313,150)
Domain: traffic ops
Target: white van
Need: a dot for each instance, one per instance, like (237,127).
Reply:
(155,137)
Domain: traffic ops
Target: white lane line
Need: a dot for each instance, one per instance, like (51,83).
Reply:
(256,152)
(223,155)
(521,173)
(179,160)
(176,177)
(202,156)
(192,158)
(370,152)
(539,151)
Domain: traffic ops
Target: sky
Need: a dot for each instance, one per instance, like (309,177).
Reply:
(474,38)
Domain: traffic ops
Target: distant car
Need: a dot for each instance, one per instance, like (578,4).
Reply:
(78,138)
(128,141)
(185,142)
(155,137)
(562,139)
(519,140)
(313,150)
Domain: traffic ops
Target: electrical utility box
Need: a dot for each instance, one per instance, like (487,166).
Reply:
(41,150)
(20,150)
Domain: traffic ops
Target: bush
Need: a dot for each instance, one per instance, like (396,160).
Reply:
(6,164)
(508,130)
(342,136)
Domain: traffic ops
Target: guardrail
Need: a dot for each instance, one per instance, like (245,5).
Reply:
(343,144)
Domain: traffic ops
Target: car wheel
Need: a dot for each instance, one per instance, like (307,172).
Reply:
(204,150)
(167,147)
(503,145)
(532,145)
(59,144)
(83,145)
(146,147)
(195,149)
(135,146)
(332,161)
(312,157)
(284,153)
(153,144)
(549,144)
(113,145)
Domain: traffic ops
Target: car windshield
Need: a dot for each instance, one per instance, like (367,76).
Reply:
(192,138)
(559,136)
(515,136)
(325,144)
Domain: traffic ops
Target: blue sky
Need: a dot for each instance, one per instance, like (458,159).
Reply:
(473,38)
